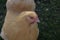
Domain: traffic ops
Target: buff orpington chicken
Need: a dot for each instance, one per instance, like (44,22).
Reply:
(14,7)
(24,27)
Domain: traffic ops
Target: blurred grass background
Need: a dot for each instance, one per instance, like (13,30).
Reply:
(49,15)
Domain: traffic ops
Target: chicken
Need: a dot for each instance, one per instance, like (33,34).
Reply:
(14,7)
(24,27)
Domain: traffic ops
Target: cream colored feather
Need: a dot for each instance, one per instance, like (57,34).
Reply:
(21,28)
(20,5)
(14,7)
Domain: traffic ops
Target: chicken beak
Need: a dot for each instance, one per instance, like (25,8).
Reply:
(37,20)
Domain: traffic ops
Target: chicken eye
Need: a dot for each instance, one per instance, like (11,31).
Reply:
(31,18)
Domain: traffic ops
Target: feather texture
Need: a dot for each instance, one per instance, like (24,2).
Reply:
(20,5)
(21,29)
(14,7)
